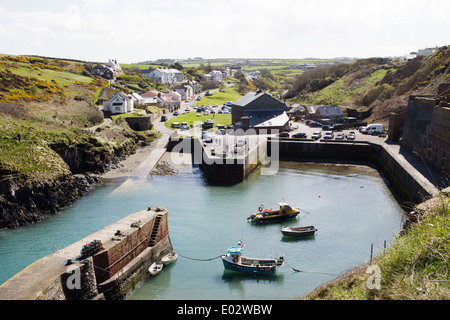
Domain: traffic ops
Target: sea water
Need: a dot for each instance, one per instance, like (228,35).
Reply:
(351,206)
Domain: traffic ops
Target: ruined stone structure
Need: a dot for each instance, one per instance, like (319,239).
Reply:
(426,130)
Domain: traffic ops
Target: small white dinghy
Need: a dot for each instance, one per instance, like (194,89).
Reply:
(169,258)
(155,268)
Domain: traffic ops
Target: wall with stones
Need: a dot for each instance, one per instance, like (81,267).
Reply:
(426,132)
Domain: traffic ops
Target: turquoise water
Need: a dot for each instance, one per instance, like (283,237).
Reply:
(351,207)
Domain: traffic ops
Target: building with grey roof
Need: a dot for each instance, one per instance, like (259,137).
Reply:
(260,111)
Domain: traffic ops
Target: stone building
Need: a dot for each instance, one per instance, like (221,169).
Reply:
(426,129)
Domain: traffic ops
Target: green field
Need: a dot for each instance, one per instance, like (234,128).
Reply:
(194,118)
(219,97)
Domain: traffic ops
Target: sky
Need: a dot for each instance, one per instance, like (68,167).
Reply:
(146,30)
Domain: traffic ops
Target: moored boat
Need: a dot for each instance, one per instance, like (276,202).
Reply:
(299,231)
(169,258)
(233,260)
(155,268)
(269,215)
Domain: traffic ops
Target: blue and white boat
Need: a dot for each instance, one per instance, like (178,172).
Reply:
(233,260)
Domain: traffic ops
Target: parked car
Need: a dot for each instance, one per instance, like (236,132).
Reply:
(340,136)
(301,135)
(283,134)
(337,127)
(176,113)
(209,93)
(373,129)
(163,118)
(187,109)
(199,98)
(315,124)
(316,135)
(328,135)
(184,127)
(208,139)
(326,127)
(351,135)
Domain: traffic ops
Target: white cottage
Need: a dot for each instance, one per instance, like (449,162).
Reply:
(166,76)
(120,103)
(216,76)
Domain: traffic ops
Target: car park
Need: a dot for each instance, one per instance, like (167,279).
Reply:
(328,135)
(316,135)
(300,135)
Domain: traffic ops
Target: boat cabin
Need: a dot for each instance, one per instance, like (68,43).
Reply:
(284,207)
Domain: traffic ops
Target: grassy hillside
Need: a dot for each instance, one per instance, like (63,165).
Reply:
(48,102)
(382,85)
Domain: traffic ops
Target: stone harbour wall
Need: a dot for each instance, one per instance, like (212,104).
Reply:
(129,247)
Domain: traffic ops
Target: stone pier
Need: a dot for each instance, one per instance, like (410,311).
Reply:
(128,248)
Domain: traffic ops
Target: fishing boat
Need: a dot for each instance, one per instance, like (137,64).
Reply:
(155,268)
(299,231)
(169,258)
(269,215)
(233,260)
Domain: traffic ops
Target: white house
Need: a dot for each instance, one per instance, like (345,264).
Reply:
(216,76)
(114,66)
(185,90)
(137,99)
(165,76)
(120,103)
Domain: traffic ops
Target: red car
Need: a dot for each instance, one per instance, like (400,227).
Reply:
(284,134)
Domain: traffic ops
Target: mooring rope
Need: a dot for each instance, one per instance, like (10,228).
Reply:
(297,270)
(200,259)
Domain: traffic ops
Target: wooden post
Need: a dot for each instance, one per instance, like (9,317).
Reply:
(371,251)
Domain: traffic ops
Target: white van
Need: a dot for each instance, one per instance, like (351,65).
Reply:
(373,129)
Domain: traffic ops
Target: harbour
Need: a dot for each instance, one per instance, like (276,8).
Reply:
(206,219)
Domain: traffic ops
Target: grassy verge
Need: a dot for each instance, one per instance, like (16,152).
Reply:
(415,267)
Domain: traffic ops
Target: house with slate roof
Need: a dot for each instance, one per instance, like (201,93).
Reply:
(259,110)
(119,103)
